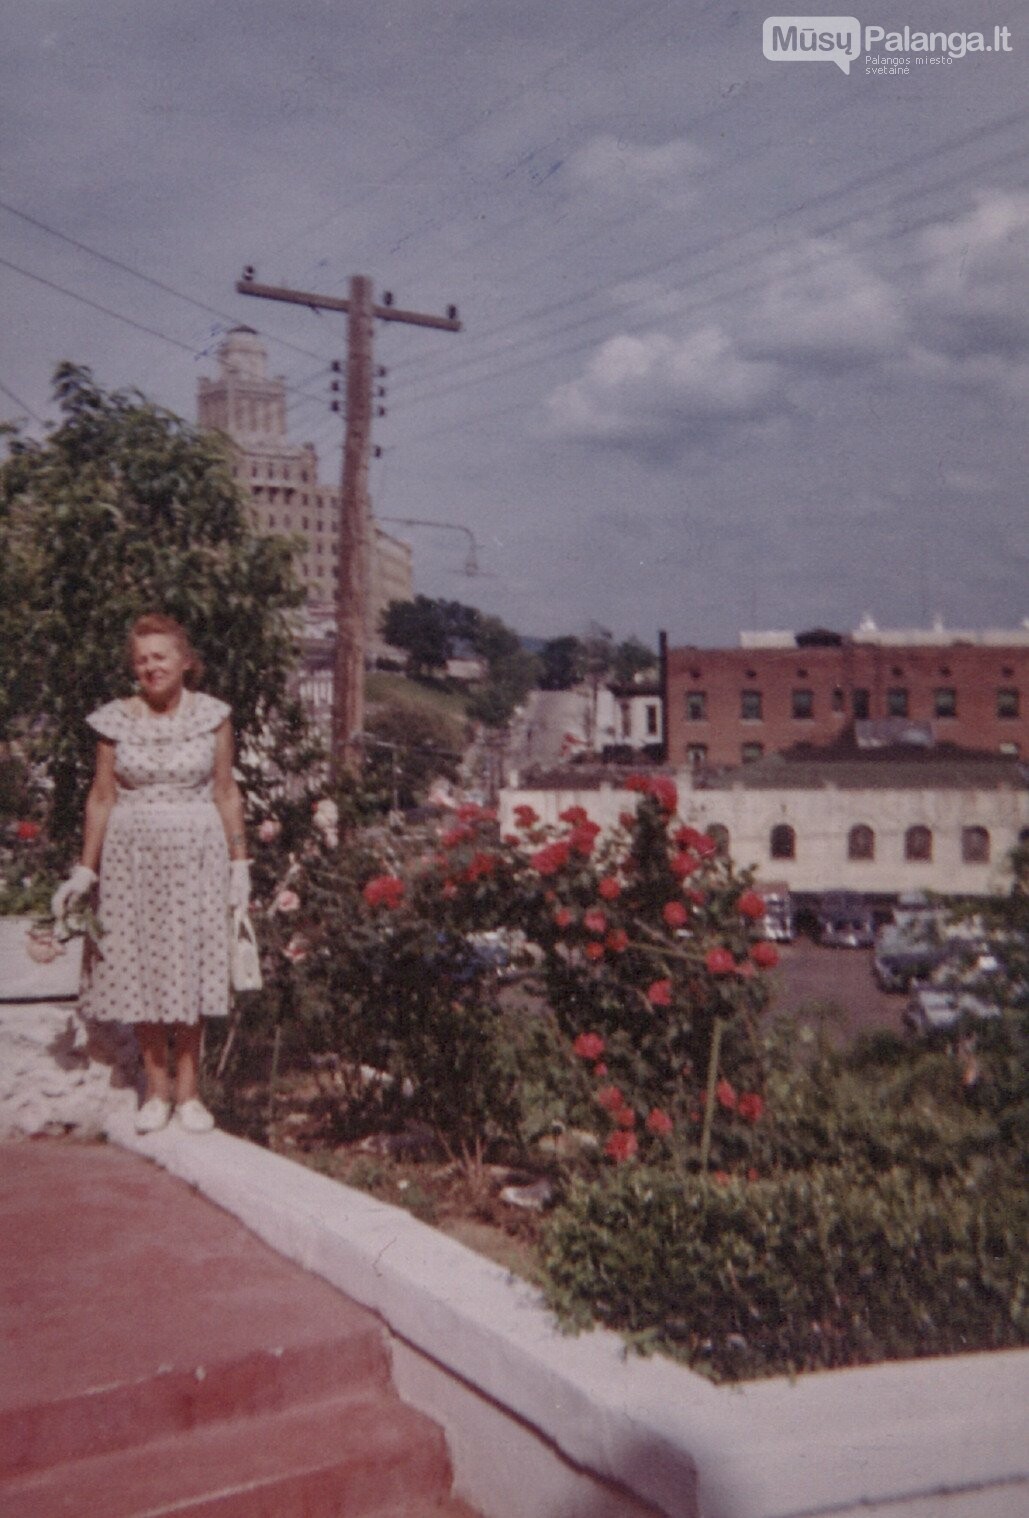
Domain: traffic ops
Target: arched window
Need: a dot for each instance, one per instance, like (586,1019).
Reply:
(719,836)
(861,842)
(783,842)
(975,845)
(918,843)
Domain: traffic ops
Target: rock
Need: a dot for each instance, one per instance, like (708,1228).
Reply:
(60,1074)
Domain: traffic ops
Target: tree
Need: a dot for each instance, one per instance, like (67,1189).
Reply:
(631,658)
(561,663)
(126,509)
(421,629)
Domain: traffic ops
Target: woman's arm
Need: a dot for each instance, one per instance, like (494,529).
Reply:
(227,797)
(98,805)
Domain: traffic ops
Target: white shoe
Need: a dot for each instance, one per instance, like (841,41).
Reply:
(194,1116)
(153,1115)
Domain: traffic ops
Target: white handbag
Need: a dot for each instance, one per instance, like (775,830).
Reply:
(244,960)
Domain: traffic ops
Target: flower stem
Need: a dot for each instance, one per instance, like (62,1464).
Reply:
(712,1081)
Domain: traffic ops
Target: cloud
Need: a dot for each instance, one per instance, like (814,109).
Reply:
(664,172)
(820,305)
(664,390)
(972,302)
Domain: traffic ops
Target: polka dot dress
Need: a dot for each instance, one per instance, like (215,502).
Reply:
(164,871)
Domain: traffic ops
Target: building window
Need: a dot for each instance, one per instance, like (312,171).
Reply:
(918,844)
(750,706)
(783,842)
(719,836)
(1007,703)
(696,706)
(696,754)
(751,752)
(862,705)
(861,842)
(897,701)
(945,701)
(626,716)
(803,705)
(975,845)
(839,700)
(650,718)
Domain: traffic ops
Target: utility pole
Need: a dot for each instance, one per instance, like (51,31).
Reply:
(354,572)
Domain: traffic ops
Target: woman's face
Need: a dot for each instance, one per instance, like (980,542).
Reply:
(160,665)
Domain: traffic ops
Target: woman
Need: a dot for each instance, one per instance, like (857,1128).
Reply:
(164,828)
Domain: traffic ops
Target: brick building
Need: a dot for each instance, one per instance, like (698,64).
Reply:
(249,408)
(727,706)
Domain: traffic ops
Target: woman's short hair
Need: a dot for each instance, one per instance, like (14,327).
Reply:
(155,622)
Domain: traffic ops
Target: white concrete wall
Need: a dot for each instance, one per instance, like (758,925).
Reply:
(822,820)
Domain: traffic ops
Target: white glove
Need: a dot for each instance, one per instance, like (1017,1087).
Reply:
(81,880)
(239,884)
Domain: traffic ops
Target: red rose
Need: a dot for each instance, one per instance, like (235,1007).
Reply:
(582,838)
(719,962)
(627,820)
(705,846)
(659,993)
(564,916)
(610,1098)
(622,1145)
(637,783)
(25,832)
(451,839)
(750,1106)
(664,792)
(725,1094)
(600,1071)
(625,1117)
(589,1045)
(753,1174)
(751,904)
(469,811)
(659,1122)
(722,1177)
(594,921)
(674,914)
(617,941)
(765,954)
(682,865)
(526,816)
(594,950)
(481,864)
(687,837)
(574,814)
(384,891)
(548,860)
(609,888)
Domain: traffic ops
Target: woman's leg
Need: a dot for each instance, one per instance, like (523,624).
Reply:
(187,1060)
(153,1043)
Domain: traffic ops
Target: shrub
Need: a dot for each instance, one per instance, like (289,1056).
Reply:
(808,1270)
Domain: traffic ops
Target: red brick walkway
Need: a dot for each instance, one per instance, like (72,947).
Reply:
(160,1359)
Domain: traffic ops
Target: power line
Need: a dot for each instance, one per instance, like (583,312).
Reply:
(148,279)
(118,316)
(443,143)
(22,405)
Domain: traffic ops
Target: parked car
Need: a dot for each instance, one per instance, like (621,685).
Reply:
(905,953)
(938,1009)
(780,920)
(844,921)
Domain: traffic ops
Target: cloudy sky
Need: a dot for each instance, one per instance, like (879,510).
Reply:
(746,343)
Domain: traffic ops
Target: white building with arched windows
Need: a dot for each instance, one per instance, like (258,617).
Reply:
(876,824)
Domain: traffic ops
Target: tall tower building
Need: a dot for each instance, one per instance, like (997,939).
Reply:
(249,408)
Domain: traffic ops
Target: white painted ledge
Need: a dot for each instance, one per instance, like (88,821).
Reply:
(941,1438)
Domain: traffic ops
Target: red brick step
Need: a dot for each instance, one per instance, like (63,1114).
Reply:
(338,1459)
